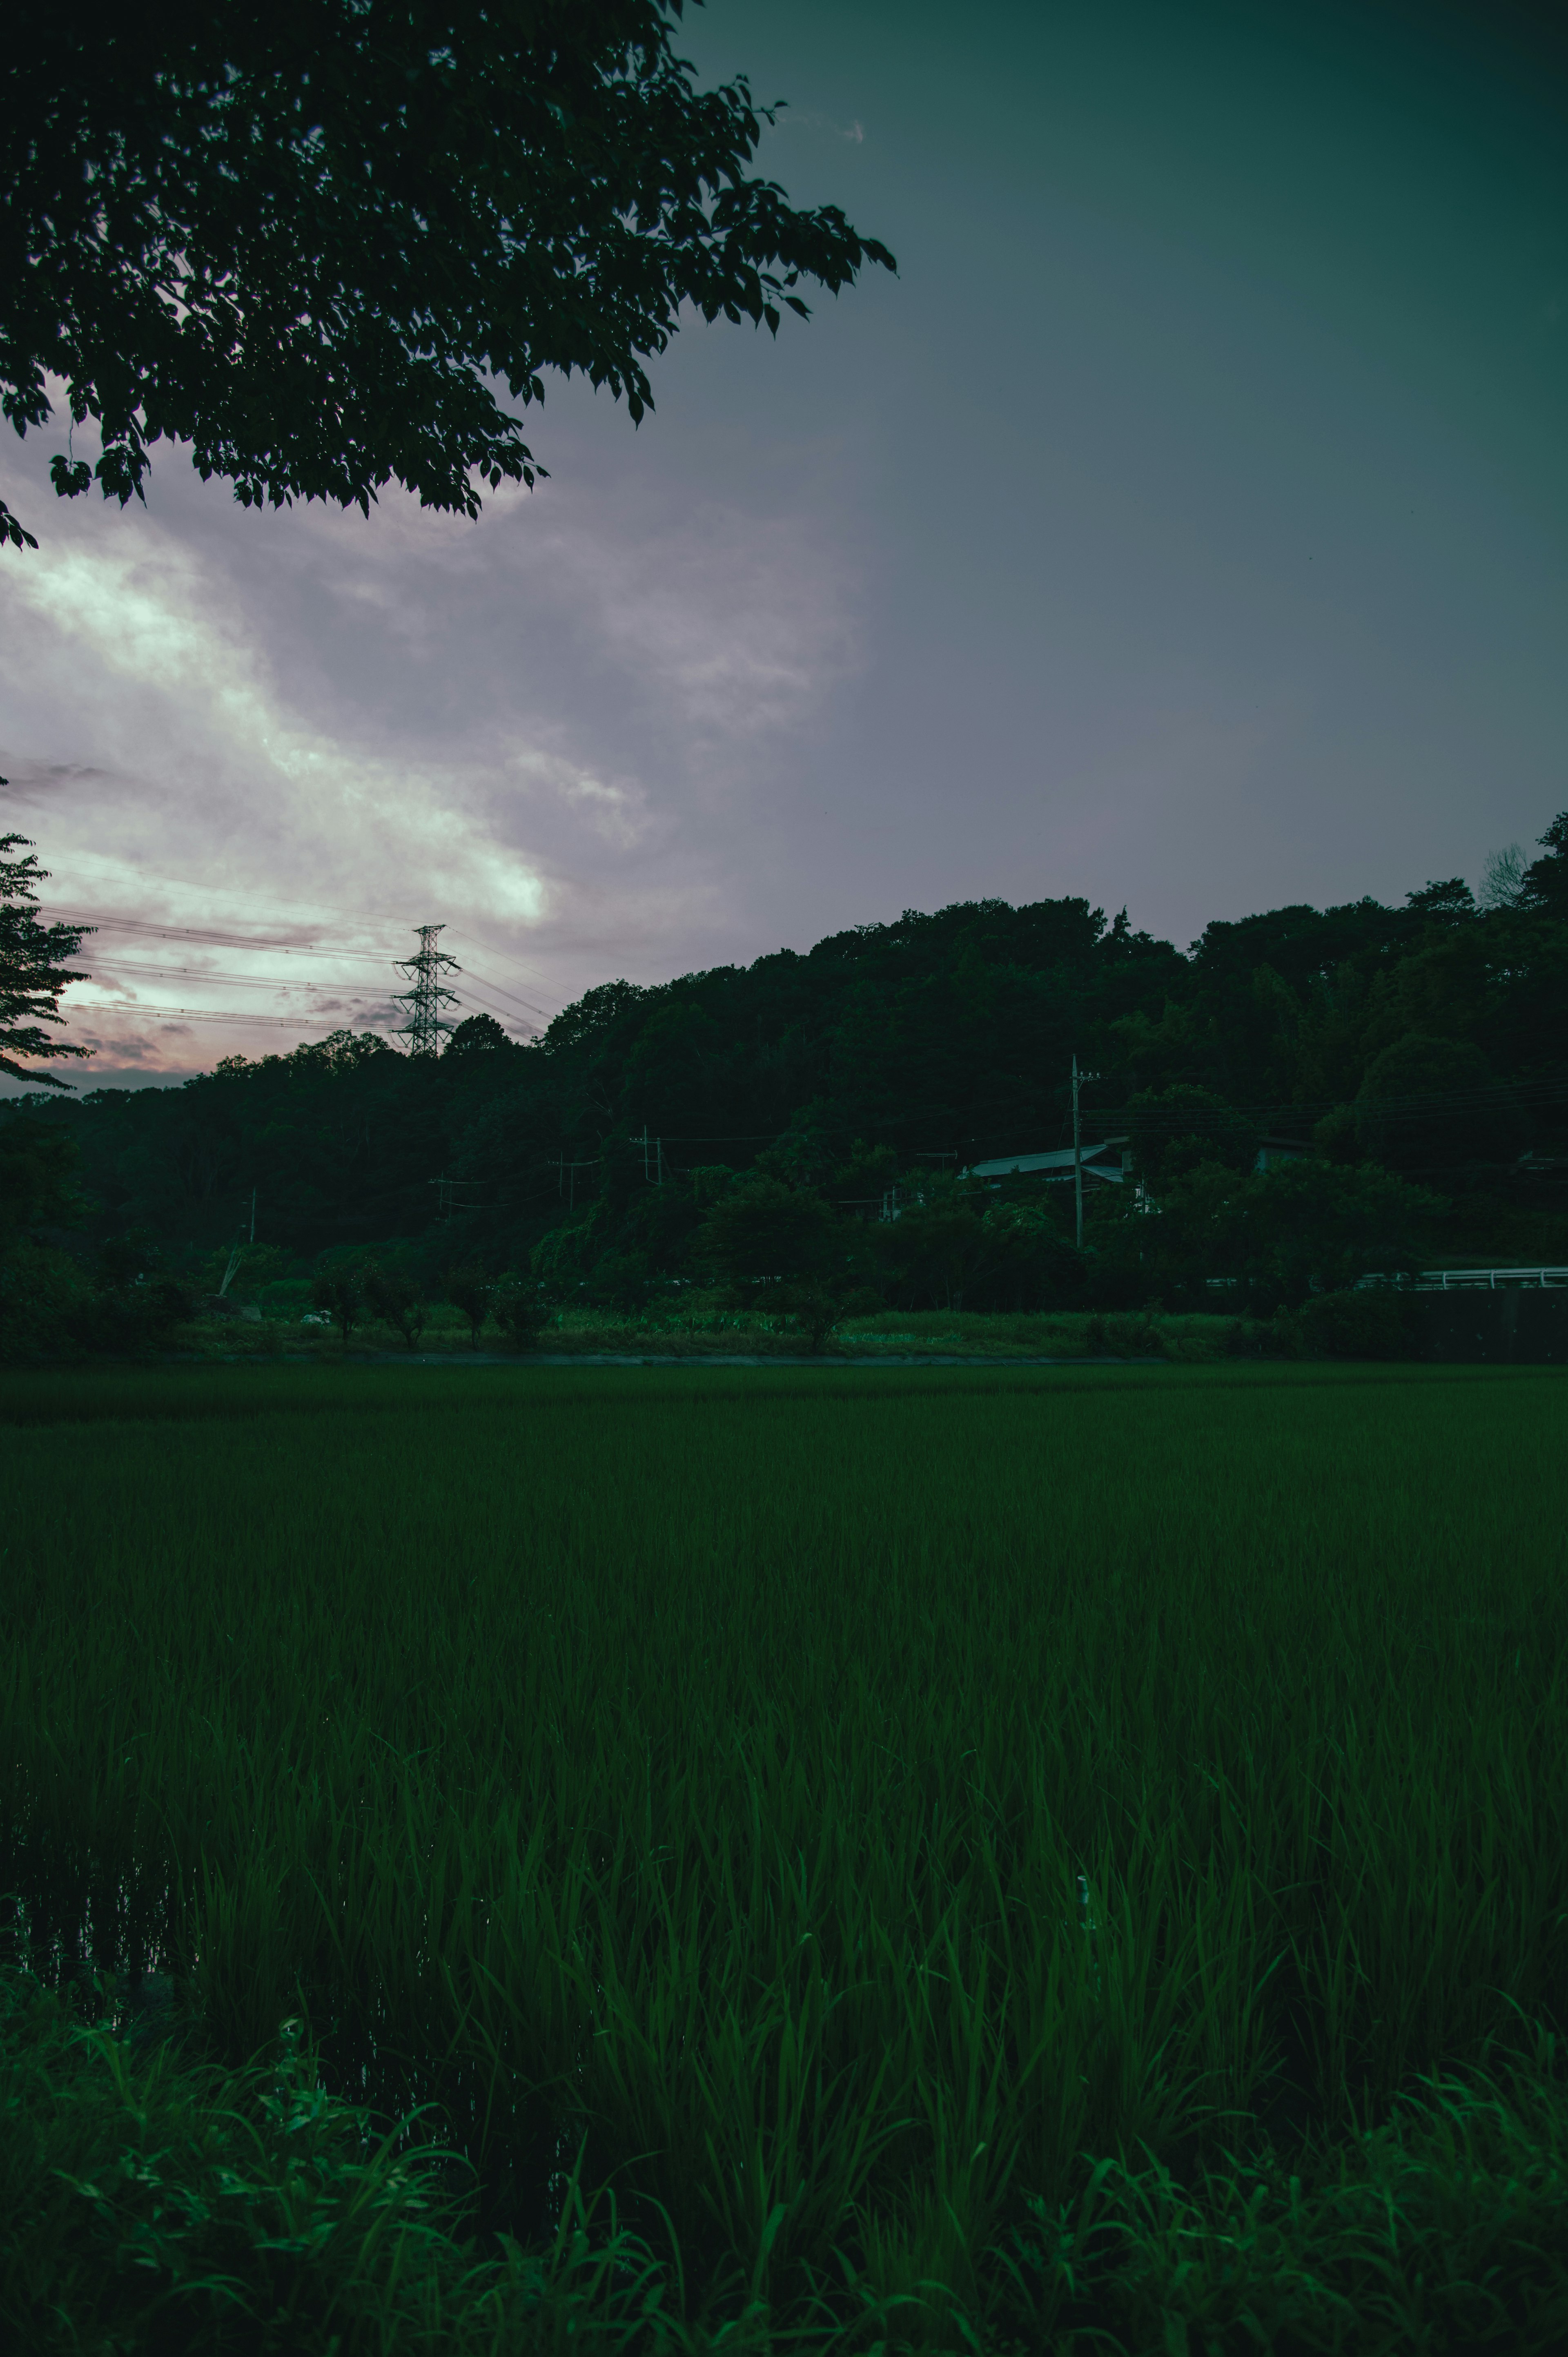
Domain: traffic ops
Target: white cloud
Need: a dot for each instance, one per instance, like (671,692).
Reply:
(311,729)
(155,657)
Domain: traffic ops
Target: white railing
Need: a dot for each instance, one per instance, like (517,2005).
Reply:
(1490,1280)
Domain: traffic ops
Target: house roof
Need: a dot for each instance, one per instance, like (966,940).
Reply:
(1060,1160)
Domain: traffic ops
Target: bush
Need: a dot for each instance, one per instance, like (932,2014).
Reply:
(621,1281)
(287,1297)
(134,1317)
(820,1308)
(522,1309)
(340,1292)
(40,1287)
(953,1247)
(1373,1323)
(1246,1337)
(764,1233)
(1122,1338)
(472,1290)
(1281,1232)
(391,1295)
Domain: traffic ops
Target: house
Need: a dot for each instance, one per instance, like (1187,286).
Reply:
(1109,1158)
(1273,1151)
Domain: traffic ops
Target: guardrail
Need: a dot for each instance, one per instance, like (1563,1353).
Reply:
(1489,1280)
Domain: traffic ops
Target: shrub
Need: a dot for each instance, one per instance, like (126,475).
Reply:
(622,1281)
(340,1292)
(1122,1338)
(820,1309)
(522,1309)
(1281,1232)
(1246,1337)
(764,1233)
(470,1288)
(391,1295)
(40,1287)
(133,1317)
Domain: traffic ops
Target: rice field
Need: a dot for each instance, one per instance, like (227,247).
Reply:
(844,1812)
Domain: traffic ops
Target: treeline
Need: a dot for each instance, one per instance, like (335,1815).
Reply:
(1416,1056)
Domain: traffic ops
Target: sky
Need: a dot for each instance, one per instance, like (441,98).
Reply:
(1185,526)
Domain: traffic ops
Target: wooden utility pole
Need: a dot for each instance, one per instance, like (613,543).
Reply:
(1076,1157)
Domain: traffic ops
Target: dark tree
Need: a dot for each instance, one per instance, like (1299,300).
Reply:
(1546,880)
(1428,1105)
(765,1232)
(476,1035)
(310,239)
(1452,902)
(471,1290)
(33,967)
(391,1295)
(340,1292)
(37,1170)
(522,1309)
(777,1246)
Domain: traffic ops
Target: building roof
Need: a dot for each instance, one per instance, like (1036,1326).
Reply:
(1056,1163)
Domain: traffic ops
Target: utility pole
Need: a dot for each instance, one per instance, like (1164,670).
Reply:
(237,1253)
(653,1157)
(1076,1156)
(424,1001)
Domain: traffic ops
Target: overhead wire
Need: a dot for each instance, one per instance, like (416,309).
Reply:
(511,1003)
(222,939)
(206,1015)
(205,974)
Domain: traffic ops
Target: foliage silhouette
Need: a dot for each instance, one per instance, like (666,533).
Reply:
(309,241)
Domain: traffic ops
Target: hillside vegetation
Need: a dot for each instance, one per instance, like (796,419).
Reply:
(751,1127)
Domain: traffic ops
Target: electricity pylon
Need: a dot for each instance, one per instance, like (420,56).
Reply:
(424,1001)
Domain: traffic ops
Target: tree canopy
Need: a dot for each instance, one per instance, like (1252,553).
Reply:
(311,240)
(762,1125)
(34,968)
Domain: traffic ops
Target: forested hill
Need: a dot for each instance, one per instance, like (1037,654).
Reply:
(1432,1038)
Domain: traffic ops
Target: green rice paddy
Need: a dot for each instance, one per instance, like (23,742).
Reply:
(884,1826)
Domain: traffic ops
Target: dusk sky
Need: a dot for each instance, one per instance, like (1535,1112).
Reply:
(1185,526)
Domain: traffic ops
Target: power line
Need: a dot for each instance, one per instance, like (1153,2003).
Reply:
(85,1013)
(208,1014)
(521,1004)
(143,928)
(507,957)
(124,971)
(224,939)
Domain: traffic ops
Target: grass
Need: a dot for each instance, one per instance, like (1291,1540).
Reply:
(702,1330)
(971,1858)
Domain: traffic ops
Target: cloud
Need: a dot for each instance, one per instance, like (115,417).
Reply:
(160,668)
(311,733)
(811,119)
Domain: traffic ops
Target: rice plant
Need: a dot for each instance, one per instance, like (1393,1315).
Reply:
(887,1827)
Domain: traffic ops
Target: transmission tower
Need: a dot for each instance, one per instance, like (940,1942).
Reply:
(424,1001)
